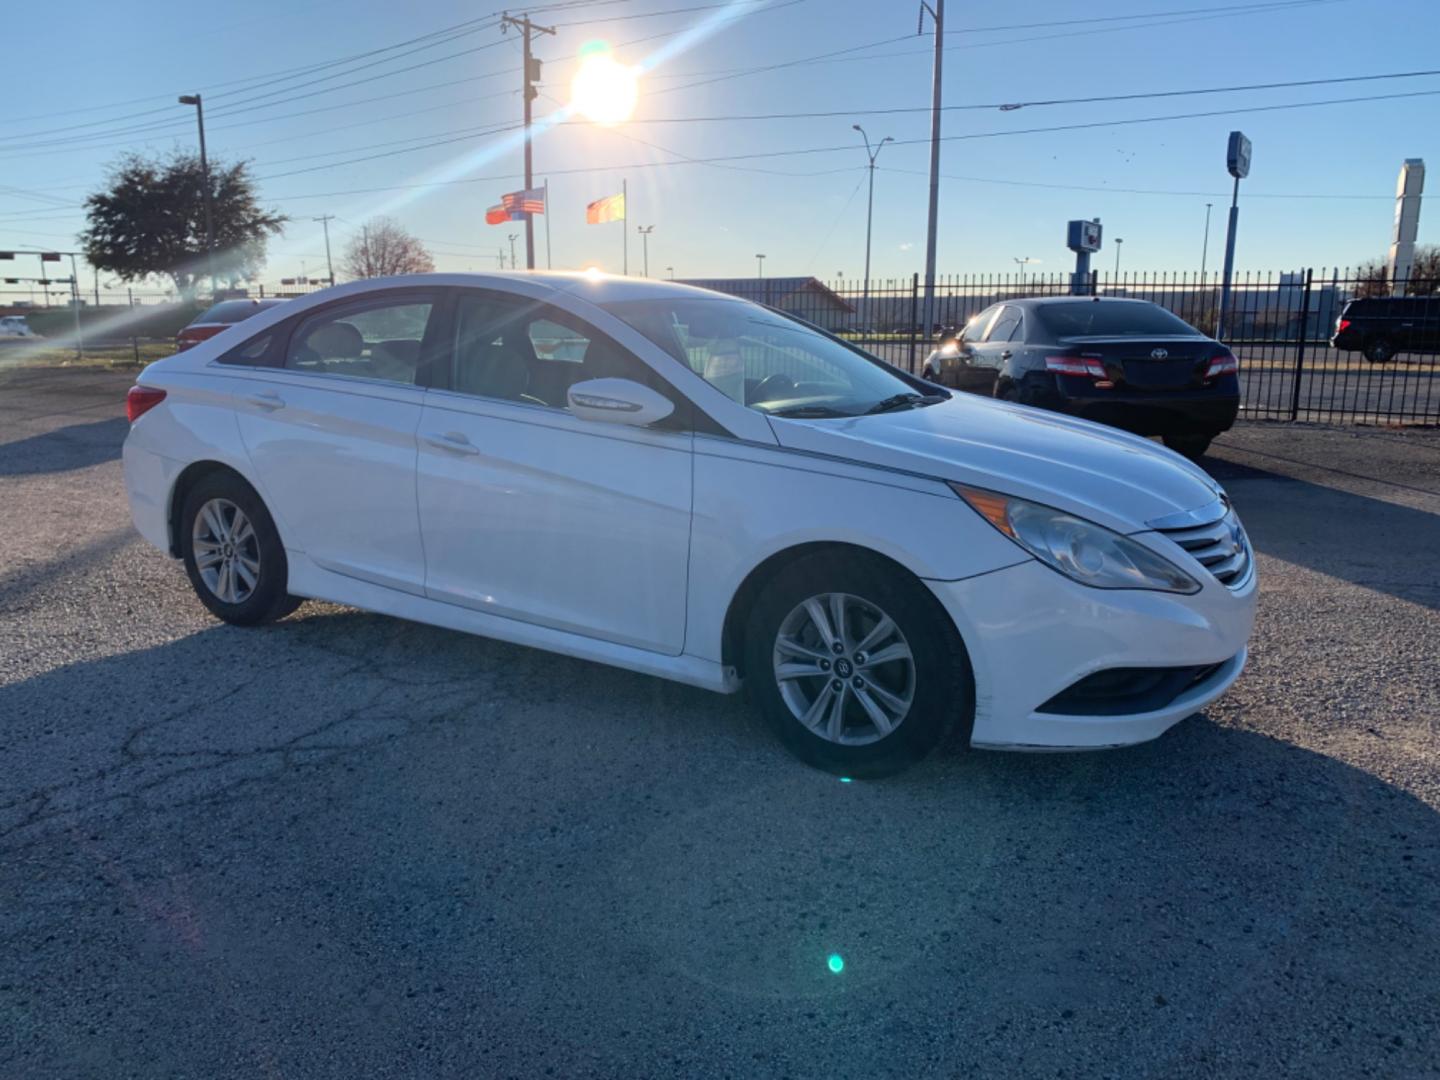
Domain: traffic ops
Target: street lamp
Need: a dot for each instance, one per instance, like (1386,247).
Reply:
(512,238)
(1021,263)
(870,211)
(1118,242)
(194,99)
(759,266)
(671,271)
(645,231)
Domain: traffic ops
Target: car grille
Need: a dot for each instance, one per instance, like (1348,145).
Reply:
(1221,547)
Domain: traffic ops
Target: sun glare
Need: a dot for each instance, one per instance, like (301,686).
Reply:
(604,90)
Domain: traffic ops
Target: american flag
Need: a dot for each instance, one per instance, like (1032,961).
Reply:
(530,201)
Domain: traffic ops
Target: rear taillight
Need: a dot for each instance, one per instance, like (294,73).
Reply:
(140,400)
(1341,325)
(1222,364)
(1085,366)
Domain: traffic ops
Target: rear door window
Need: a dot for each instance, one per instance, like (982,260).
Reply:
(378,339)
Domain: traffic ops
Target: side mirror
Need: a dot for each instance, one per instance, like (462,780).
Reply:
(618,401)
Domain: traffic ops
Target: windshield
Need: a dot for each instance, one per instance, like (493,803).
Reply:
(1099,318)
(232,311)
(762,359)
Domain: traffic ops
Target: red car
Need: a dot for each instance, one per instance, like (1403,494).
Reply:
(219,317)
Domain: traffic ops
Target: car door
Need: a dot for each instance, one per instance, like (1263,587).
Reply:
(531,513)
(970,374)
(991,354)
(328,416)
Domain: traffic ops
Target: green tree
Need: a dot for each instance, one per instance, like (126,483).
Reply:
(150,221)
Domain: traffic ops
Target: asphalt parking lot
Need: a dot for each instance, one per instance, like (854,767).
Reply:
(348,846)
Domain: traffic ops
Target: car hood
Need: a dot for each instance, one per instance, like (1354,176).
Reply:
(1108,476)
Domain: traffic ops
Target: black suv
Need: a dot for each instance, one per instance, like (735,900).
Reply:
(1128,363)
(1380,327)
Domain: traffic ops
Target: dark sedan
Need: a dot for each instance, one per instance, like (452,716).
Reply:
(1128,363)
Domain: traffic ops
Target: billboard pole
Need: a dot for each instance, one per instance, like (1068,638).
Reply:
(1237,161)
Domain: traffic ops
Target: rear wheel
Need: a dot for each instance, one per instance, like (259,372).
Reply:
(232,551)
(1191,446)
(1379,350)
(856,666)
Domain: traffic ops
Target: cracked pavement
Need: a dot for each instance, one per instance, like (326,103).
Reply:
(346,845)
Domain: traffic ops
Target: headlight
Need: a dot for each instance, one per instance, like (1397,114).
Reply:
(1079,549)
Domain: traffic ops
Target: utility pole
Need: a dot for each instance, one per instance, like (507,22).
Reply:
(529,76)
(1205,249)
(645,231)
(75,302)
(869,215)
(937,13)
(548,264)
(369,266)
(325,220)
(194,99)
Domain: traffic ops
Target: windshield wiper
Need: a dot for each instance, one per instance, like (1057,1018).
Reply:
(902,401)
(803,412)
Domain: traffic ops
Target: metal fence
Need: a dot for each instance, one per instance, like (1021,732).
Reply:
(1279,325)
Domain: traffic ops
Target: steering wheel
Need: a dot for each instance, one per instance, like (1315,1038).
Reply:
(772,386)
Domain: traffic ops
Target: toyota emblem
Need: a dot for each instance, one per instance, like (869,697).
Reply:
(1159,354)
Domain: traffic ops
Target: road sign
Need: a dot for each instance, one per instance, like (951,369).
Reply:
(1237,155)
(1083,236)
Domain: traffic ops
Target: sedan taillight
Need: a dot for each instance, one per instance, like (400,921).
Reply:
(140,400)
(1222,364)
(1084,366)
(1341,325)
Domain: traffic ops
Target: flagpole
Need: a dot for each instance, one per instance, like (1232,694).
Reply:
(547,224)
(625,225)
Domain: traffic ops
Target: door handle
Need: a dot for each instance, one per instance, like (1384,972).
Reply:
(1005,355)
(266,399)
(452,441)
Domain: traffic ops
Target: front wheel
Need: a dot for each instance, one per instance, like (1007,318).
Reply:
(1190,446)
(233,554)
(856,666)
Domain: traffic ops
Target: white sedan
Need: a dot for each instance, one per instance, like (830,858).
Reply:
(688,485)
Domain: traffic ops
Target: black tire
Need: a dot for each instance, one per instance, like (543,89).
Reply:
(942,686)
(1379,351)
(1190,446)
(1006,390)
(266,600)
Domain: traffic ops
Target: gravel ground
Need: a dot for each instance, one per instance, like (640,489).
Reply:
(349,846)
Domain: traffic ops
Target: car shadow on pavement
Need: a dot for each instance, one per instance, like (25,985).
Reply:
(77,446)
(1380,545)
(358,826)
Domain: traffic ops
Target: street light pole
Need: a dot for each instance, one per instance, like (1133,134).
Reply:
(1118,242)
(512,238)
(645,231)
(869,214)
(759,266)
(937,13)
(1022,263)
(195,99)
(671,271)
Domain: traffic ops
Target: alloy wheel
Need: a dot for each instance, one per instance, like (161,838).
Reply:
(844,669)
(227,551)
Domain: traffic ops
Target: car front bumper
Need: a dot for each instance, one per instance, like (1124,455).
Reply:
(1032,633)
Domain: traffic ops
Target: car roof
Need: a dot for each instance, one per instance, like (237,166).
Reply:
(594,286)
(1036,301)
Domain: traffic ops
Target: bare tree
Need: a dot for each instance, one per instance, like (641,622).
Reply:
(1373,277)
(384,249)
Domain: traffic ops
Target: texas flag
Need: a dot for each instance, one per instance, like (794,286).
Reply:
(610,208)
(516,205)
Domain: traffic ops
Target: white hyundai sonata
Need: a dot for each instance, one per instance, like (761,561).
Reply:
(691,486)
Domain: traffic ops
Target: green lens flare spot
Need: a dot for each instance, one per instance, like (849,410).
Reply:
(593,48)
(844,779)
(836,963)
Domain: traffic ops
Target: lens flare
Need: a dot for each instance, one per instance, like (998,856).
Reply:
(604,90)
(836,963)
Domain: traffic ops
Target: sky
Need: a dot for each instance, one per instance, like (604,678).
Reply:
(1321,190)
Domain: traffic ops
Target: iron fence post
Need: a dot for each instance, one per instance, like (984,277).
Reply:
(1300,347)
(135,348)
(914,315)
